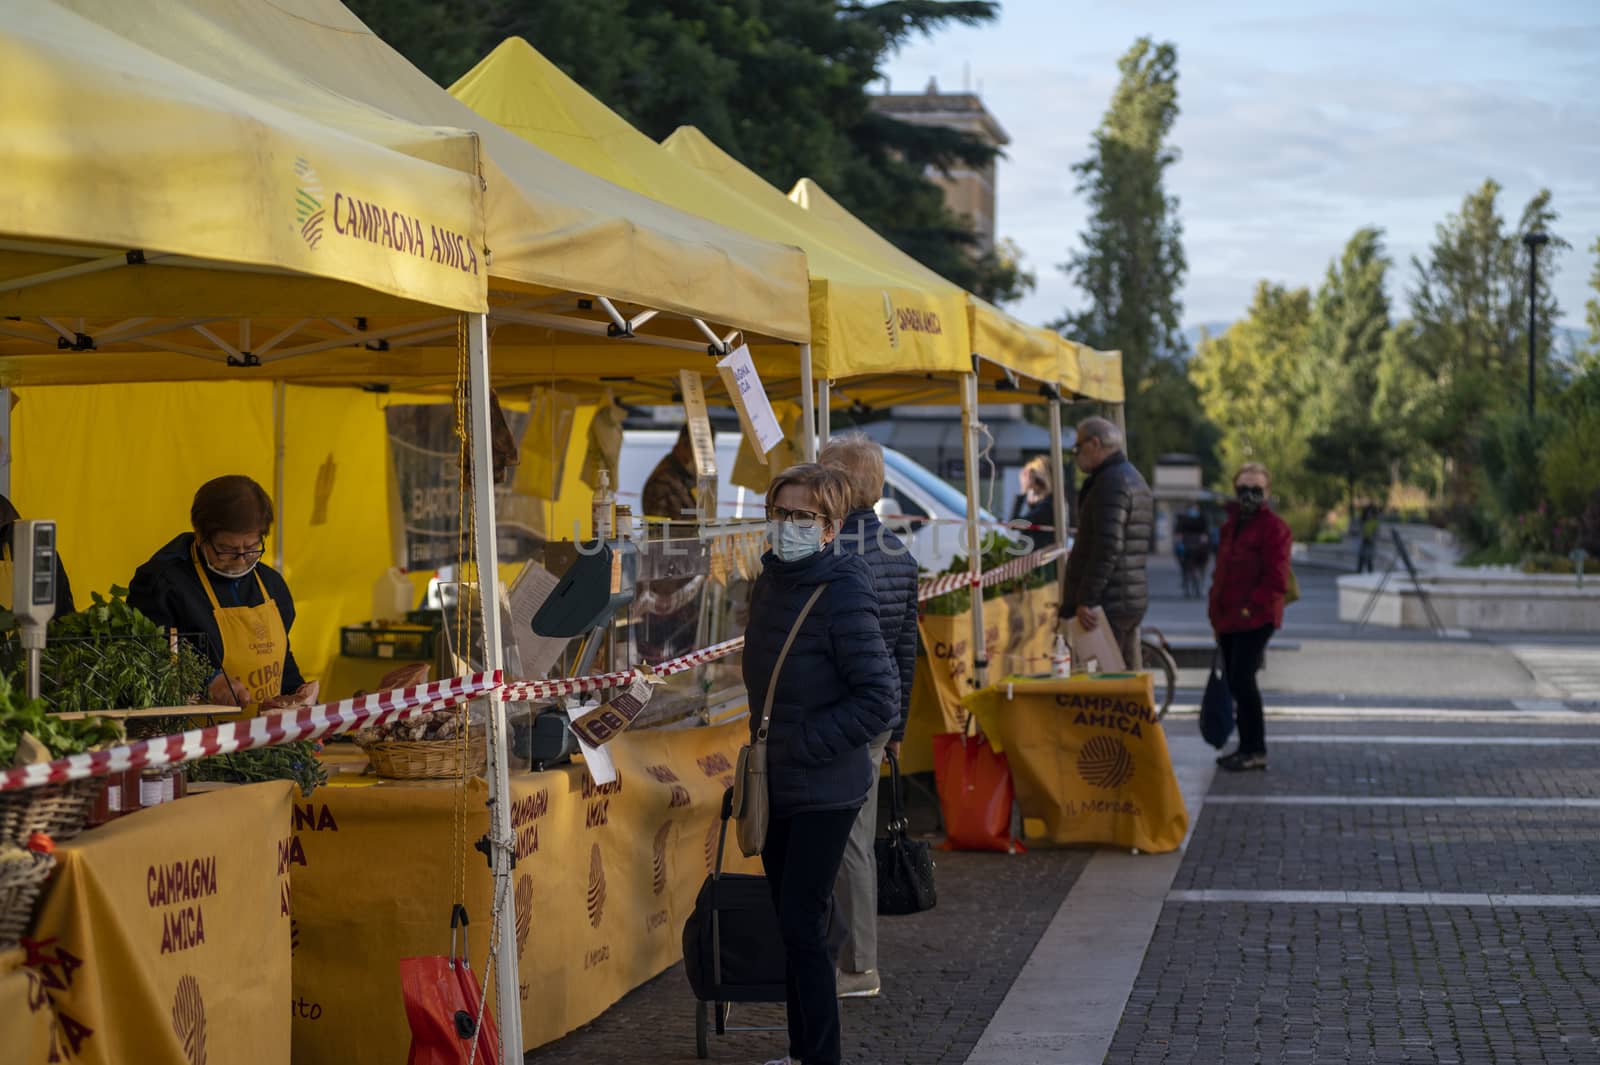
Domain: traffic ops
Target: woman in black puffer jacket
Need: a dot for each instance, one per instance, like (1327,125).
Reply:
(836,691)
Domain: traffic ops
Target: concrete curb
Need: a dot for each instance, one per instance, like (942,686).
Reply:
(1066,1003)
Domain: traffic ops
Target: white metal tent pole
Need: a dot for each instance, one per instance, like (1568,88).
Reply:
(808,409)
(280,405)
(1058,485)
(824,411)
(507,997)
(969,438)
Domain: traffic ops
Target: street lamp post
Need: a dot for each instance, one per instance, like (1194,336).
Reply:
(1534,241)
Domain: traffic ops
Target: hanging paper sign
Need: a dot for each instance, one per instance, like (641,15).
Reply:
(694,408)
(756,416)
(606,722)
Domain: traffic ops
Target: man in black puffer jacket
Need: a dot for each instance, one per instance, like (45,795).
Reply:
(859,460)
(831,696)
(1116,531)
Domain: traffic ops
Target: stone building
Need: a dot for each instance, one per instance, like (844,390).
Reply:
(968,190)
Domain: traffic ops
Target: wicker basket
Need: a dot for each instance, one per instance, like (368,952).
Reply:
(426,759)
(22,876)
(57,810)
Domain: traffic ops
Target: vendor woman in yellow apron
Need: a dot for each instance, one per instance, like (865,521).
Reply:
(210,584)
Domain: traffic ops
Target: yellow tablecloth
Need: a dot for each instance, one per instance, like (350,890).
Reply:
(605,878)
(164,936)
(1089,758)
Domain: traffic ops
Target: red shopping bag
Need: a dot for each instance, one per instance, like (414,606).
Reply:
(975,793)
(443,1004)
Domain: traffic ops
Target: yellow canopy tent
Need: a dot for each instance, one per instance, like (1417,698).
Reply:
(143,201)
(997,337)
(574,259)
(145,207)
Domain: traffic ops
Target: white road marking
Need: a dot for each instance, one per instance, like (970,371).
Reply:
(1390,898)
(1461,801)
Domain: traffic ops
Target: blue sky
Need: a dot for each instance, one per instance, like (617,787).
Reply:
(1301,122)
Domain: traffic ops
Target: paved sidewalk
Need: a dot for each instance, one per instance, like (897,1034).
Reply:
(1431,893)
(945,973)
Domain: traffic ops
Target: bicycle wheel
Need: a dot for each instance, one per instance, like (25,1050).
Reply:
(1155,659)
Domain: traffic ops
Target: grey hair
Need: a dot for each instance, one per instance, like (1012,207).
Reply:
(1102,429)
(859,460)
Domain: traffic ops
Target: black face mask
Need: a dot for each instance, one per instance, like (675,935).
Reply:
(1250,497)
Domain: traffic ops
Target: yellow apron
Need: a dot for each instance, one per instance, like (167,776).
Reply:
(254,641)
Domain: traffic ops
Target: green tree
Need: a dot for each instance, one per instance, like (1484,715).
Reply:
(1589,356)
(780,84)
(1348,441)
(1131,263)
(1251,388)
(1469,312)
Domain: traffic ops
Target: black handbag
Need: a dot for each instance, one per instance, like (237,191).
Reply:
(905,865)
(1216,706)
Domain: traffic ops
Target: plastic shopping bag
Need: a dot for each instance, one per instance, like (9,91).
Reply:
(443,1004)
(1216,706)
(975,793)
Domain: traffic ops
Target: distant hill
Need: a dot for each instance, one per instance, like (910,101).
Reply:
(1568,339)
(1192,333)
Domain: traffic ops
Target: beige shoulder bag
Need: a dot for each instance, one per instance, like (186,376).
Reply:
(751,803)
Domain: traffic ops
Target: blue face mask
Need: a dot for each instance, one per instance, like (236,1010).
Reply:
(791,543)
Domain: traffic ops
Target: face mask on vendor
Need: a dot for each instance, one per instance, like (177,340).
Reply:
(232,555)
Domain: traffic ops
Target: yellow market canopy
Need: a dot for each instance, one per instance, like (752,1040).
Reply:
(143,200)
(996,336)
(518,88)
(573,260)
(869,315)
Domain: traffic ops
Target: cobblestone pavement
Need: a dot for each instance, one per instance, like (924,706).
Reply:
(944,974)
(1483,769)
(1273,980)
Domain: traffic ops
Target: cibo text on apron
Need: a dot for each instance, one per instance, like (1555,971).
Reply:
(254,642)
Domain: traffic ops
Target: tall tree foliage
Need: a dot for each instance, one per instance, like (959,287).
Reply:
(1250,385)
(1467,341)
(1349,441)
(780,84)
(1131,263)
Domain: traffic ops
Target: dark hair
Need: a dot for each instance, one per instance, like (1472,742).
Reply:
(234,503)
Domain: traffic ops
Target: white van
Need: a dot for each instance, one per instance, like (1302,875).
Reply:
(926,511)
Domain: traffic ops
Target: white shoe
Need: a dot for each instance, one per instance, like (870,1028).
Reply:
(784,1061)
(857,985)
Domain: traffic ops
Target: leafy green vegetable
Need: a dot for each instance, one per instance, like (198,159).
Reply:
(290,761)
(109,656)
(996,551)
(19,714)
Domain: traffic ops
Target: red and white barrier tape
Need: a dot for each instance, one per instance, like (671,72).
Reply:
(326,719)
(1017,567)
(268,730)
(526,691)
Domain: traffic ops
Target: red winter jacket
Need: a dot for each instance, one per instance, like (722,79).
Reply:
(1252,572)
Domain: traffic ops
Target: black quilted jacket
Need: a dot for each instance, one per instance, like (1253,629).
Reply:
(894,576)
(838,688)
(1116,530)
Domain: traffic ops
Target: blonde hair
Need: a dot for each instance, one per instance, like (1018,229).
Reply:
(1252,467)
(827,487)
(859,460)
(1038,471)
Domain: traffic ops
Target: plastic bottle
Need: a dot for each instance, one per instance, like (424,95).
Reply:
(392,596)
(604,498)
(1060,658)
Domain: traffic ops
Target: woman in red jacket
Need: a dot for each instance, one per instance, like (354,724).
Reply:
(1247,591)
